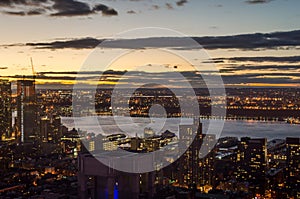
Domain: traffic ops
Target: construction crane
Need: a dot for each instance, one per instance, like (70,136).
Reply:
(32,67)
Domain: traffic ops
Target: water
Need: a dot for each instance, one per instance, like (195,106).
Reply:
(260,129)
(235,128)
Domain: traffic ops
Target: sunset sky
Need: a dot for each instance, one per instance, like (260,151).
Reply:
(32,28)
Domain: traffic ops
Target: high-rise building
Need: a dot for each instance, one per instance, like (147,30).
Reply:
(252,163)
(57,126)
(97,180)
(26,110)
(50,128)
(44,129)
(293,167)
(206,165)
(190,140)
(5,109)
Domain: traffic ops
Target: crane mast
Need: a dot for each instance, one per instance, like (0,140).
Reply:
(32,67)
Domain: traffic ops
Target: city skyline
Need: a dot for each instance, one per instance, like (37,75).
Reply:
(164,99)
(39,155)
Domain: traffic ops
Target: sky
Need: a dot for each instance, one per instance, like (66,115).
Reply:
(31,28)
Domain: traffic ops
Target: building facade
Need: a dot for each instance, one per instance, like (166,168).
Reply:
(5,109)
(26,111)
(293,167)
(190,141)
(252,163)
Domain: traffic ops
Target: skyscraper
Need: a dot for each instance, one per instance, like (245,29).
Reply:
(206,164)
(26,110)
(293,166)
(5,109)
(190,138)
(252,163)
(44,128)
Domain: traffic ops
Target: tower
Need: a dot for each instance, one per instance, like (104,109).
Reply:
(26,110)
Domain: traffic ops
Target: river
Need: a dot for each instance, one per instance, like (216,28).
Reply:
(235,128)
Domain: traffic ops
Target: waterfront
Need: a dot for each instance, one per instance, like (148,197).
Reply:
(260,129)
(235,128)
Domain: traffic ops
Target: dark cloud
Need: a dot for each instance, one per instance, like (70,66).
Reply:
(11,3)
(155,7)
(109,12)
(109,72)
(3,68)
(257,78)
(75,44)
(257,1)
(65,8)
(6,3)
(120,43)
(100,7)
(16,7)
(256,41)
(105,10)
(131,12)
(251,41)
(71,8)
(232,69)
(181,2)
(242,79)
(169,6)
(290,59)
(36,12)
(194,78)
(215,61)
(20,13)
